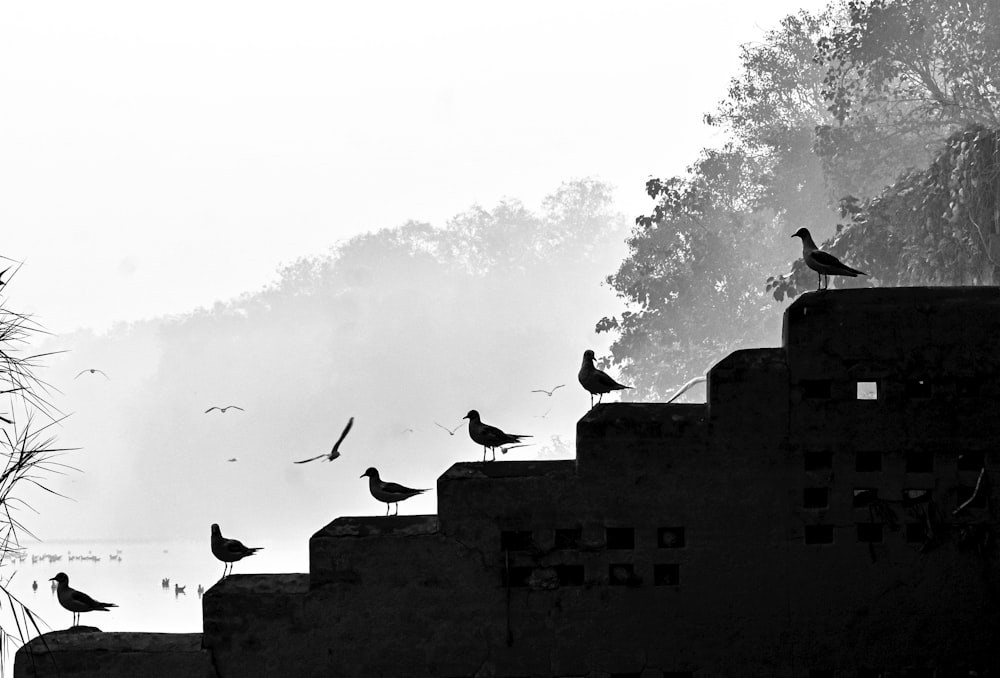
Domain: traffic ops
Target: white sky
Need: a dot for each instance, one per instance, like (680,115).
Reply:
(155,157)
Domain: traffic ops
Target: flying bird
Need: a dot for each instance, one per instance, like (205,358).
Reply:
(490,436)
(223,409)
(229,550)
(824,264)
(335,452)
(596,381)
(76,601)
(451,431)
(92,370)
(390,493)
(232,459)
(548,393)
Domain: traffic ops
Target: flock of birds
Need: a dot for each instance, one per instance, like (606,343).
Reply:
(594,380)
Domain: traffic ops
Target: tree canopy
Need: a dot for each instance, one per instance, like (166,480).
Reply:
(827,113)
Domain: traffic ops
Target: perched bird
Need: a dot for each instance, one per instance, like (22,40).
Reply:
(596,381)
(490,436)
(223,409)
(390,493)
(92,370)
(335,452)
(824,264)
(76,601)
(679,392)
(229,550)
(451,431)
(548,393)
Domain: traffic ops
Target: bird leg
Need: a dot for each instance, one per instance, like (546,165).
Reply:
(387,505)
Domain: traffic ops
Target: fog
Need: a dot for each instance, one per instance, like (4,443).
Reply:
(402,329)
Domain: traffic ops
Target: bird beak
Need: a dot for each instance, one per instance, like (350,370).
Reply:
(362,475)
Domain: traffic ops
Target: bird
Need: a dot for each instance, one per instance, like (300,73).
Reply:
(223,409)
(596,381)
(76,601)
(542,416)
(490,436)
(824,264)
(548,393)
(335,452)
(451,431)
(679,392)
(92,370)
(229,550)
(390,493)
(232,459)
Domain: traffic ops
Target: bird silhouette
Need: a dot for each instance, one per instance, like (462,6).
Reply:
(223,409)
(596,381)
(548,393)
(92,370)
(490,436)
(232,459)
(824,264)
(451,431)
(76,601)
(335,452)
(390,493)
(229,550)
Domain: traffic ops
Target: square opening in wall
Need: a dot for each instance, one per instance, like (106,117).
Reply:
(971,461)
(818,461)
(570,575)
(964,492)
(620,537)
(819,534)
(870,533)
(919,462)
(863,496)
(622,574)
(670,538)
(568,538)
(816,389)
(815,497)
(867,390)
(868,462)
(516,540)
(917,388)
(666,574)
(916,533)
(515,576)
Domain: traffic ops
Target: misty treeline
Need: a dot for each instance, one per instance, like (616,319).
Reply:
(873,124)
(403,329)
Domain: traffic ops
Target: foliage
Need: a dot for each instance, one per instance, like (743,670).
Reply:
(936,226)
(29,452)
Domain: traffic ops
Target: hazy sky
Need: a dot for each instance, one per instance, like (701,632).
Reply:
(155,157)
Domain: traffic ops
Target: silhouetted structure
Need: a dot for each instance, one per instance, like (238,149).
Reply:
(827,513)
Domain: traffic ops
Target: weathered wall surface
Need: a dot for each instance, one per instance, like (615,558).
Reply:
(85,652)
(788,528)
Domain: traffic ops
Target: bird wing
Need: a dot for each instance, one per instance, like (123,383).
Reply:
(319,456)
(541,390)
(211,408)
(82,372)
(556,388)
(827,261)
(83,599)
(104,375)
(235,407)
(350,423)
(396,488)
(445,428)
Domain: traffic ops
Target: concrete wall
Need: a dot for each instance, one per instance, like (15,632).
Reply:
(777,530)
